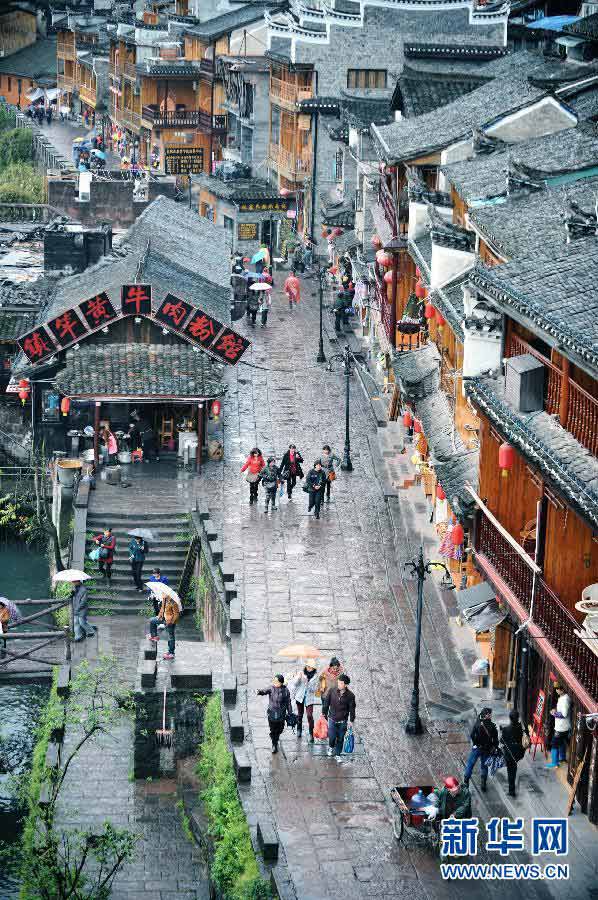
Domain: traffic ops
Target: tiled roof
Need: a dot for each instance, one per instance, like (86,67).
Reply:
(213,28)
(453,51)
(13,324)
(239,188)
(36,61)
(454,474)
(587,27)
(361,108)
(418,371)
(449,300)
(170,68)
(484,176)
(418,93)
(346,241)
(562,459)
(421,251)
(509,91)
(139,370)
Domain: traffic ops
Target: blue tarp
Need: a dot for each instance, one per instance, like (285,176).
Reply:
(552,23)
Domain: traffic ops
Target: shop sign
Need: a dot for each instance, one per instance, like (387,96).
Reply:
(279,204)
(247,231)
(173,311)
(136,299)
(183,160)
(37,345)
(203,329)
(98,311)
(230,346)
(67,328)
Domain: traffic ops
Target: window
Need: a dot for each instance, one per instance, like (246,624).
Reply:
(228,224)
(338,165)
(366,78)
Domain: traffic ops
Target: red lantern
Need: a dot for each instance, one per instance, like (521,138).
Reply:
(420,291)
(65,405)
(440,493)
(407,419)
(337,232)
(383,259)
(418,272)
(457,535)
(506,458)
(246,259)
(284,192)
(376,241)
(429,311)
(417,427)
(440,320)
(23,395)
(388,277)
(216,407)
(324,232)
(333,270)
(24,383)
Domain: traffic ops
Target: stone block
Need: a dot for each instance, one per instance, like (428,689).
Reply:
(44,795)
(229,688)
(230,591)
(235,724)
(151,651)
(267,840)
(63,681)
(187,681)
(216,551)
(236,617)
(242,765)
(57,733)
(210,530)
(147,670)
(53,755)
(203,513)
(226,573)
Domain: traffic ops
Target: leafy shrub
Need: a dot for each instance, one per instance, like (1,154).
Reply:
(234,866)
(15,146)
(21,183)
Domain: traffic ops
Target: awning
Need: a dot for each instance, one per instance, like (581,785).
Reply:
(52,94)
(479,608)
(35,95)
(418,371)
(568,41)
(551,23)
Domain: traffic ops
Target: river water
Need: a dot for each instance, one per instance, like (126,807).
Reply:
(23,574)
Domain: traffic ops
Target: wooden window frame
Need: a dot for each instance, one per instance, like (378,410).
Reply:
(360,79)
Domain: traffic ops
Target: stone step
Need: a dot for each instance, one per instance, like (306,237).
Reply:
(122,578)
(135,516)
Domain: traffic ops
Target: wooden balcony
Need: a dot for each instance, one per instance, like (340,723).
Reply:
(65,50)
(125,117)
(555,621)
(286,94)
(184,118)
(292,165)
(207,66)
(87,94)
(129,70)
(65,82)
(576,408)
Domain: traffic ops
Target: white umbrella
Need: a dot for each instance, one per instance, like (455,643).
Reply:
(71,575)
(162,590)
(146,533)
(260,286)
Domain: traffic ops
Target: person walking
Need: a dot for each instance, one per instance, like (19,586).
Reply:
(303,692)
(253,306)
(327,461)
(168,615)
(9,615)
(315,485)
(511,741)
(111,445)
(270,478)
(80,601)
(292,288)
(338,706)
(484,739)
(329,676)
(290,468)
(156,576)
(265,305)
(279,707)
(138,549)
(49,114)
(562,727)
(107,544)
(253,466)
(454,800)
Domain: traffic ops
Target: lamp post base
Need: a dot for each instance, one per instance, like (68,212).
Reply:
(321,357)
(414,725)
(346,465)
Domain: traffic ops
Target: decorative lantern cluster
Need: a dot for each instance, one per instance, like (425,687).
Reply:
(24,390)
(506,458)
(384,259)
(420,290)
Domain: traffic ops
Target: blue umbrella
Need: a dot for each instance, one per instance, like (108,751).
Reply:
(261,254)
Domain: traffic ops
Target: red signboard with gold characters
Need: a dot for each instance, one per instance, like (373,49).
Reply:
(189,321)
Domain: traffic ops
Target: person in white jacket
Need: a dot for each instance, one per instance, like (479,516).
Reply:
(303,692)
(562,727)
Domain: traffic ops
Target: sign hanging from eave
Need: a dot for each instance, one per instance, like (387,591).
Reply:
(190,322)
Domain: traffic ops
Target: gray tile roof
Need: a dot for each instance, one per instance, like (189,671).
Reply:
(346,241)
(484,176)
(562,459)
(13,324)
(139,370)
(36,61)
(438,50)
(239,188)
(213,28)
(509,91)
(586,27)
(449,300)
(454,474)
(421,251)
(418,371)
(418,93)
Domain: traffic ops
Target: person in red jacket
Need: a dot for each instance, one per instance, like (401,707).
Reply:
(107,544)
(253,466)
(292,288)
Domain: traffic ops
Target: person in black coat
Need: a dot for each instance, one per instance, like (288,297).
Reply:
(290,468)
(484,740)
(279,707)
(315,484)
(512,746)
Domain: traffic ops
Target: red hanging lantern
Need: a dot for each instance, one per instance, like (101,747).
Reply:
(383,259)
(376,241)
(23,395)
(216,407)
(324,232)
(440,320)
(506,458)
(24,383)
(337,232)
(417,427)
(440,495)
(333,270)
(407,419)
(457,535)
(420,291)
(418,272)
(65,405)
(284,192)
(429,311)
(388,277)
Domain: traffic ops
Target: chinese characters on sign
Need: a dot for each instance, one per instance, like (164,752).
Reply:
(37,345)
(136,299)
(183,160)
(247,231)
(203,328)
(173,311)
(67,328)
(280,204)
(98,311)
(230,346)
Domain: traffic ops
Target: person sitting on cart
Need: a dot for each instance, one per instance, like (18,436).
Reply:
(454,800)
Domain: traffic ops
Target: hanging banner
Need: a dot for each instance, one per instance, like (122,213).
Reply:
(67,328)
(98,311)
(136,299)
(37,345)
(173,311)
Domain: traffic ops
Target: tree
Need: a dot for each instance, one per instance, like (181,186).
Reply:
(75,864)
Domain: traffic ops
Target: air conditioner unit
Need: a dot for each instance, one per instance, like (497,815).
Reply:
(524,383)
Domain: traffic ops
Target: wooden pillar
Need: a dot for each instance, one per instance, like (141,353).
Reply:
(593,780)
(200,430)
(393,299)
(96,434)
(564,404)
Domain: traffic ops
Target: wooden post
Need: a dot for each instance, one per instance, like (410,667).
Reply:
(564,404)
(393,301)
(96,434)
(199,436)
(67,643)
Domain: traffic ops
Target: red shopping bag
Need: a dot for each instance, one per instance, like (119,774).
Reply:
(321,729)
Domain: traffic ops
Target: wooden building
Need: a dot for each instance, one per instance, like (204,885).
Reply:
(27,71)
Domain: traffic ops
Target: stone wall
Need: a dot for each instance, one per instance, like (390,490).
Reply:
(110,201)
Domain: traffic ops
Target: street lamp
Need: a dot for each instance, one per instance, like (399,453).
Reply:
(321,276)
(348,358)
(421,569)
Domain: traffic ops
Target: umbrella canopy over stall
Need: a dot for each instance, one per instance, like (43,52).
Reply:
(71,575)
(299,651)
(146,533)
(162,590)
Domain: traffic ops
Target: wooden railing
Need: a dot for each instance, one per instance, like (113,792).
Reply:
(65,82)
(294,164)
(548,613)
(65,51)
(130,118)
(185,118)
(388,206)
(286,92)
(580,415)
(129,70)
(87,93)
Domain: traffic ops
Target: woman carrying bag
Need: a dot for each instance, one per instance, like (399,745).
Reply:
(290,468)
(279,708)
(511,743)
(253,466)
(303,689)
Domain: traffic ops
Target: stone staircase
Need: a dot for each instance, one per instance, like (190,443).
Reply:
(168,551)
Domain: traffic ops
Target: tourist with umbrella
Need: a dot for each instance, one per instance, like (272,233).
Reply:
(168,614)
(158,578)
(303,692)
(254,301)
(279,707)
(80,601)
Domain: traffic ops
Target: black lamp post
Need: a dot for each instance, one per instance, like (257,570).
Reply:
(321,275)
(421,569)
(348,358)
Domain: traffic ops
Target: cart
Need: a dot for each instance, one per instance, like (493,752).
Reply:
(413,824)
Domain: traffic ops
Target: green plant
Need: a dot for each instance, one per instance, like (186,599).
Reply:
(185,822)
(62,591)
(234,866)
(15,146)
(21,183)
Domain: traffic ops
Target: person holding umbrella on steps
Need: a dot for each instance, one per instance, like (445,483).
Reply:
(168,614)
